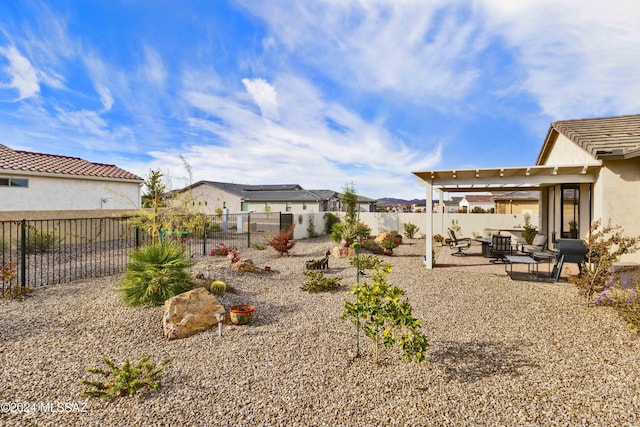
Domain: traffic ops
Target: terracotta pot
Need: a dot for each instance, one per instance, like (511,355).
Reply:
(241,314)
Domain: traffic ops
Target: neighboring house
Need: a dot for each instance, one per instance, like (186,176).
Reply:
(211,196)
(587,169)
(472,201)
(38,182)
(518,202)
(449,206)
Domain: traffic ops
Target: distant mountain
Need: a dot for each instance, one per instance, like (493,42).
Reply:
(393,201)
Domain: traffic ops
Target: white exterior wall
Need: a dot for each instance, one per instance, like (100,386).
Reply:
(470,225)
(57,193)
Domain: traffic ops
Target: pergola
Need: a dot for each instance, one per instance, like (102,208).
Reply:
(496,179)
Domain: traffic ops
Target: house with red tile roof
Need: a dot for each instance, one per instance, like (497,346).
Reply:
(32,181)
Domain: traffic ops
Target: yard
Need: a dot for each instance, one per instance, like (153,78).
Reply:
(502,352)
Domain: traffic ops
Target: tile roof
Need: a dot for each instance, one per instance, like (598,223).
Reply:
(60,165)
(479,198)
(265,193)
(616,137)
(520,195)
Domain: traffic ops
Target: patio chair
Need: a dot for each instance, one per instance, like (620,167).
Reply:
(537,245)
(500,247)
(460,244)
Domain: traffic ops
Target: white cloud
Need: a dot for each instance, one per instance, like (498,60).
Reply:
(581,60)
(411,49)
(264,95)
(153,69)
(22,76)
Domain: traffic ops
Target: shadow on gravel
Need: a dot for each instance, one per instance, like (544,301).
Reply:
(475,360)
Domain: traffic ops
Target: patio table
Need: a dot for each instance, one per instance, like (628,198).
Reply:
(486,245)
(532,264)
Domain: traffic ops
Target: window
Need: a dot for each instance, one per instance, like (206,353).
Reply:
(288,207)
(245,206)
(14,182)
(570,211)
(304,206)
(267,207)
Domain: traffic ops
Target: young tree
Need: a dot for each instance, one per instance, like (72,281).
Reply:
(155,187)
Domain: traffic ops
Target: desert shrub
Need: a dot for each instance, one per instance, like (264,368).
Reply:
(221,249)
(386,316)
(367,262)
(626,301)
(438,238)
(311,229)
(39,241)
(283,241)
(317,282)
(5,246)
(156,273)
(258,246)
(410,230)
(605,244)
(329,220)
(125,380)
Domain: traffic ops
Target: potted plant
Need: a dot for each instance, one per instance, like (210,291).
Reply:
(388,244)
(241,314)
(529,231)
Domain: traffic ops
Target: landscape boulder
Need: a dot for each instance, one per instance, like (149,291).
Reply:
(190,313)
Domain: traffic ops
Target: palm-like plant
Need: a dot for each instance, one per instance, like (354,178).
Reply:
(156,273)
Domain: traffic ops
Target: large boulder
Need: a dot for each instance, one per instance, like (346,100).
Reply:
(190,313)
(245,265)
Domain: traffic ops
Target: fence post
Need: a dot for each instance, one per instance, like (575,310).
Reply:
(248,229)
(137,234)
(23,253)
(204,240)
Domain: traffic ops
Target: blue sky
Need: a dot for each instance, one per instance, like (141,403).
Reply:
(320,93)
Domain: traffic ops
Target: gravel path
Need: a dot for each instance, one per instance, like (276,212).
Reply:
(502,353)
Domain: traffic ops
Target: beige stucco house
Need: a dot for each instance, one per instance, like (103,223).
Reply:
(518,202)
(31,181)
(587,169)
(209,196)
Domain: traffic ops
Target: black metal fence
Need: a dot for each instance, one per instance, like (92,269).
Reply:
(47,252)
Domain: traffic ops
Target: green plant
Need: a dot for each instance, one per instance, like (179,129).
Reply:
(625,300)
(350,202)
(389,242)
(317,282)
(155,189)
(283,241)
(156,273)
(329,220)
(125,380)
(258,246)
(218,287)
(367,262)
(410,230)
(455,227)
(386,316)
(4,246)
(39,240)
(438,238)
(311,229)
(605,245)
(530,230)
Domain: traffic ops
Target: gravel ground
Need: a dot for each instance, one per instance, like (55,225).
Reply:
(502,353)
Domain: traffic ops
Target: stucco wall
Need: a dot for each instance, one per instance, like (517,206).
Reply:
(620,184)
(566,152)
(208,198)
(52,193)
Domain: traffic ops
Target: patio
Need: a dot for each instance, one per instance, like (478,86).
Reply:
(477,263)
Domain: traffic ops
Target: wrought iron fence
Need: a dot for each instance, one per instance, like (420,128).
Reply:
(47,252)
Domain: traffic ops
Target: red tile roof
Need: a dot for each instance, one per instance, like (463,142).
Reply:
(55,164)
